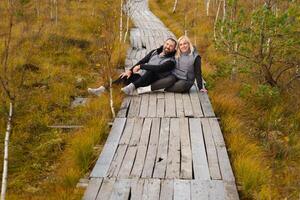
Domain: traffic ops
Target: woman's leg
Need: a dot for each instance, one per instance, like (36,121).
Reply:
(180,86)
(163,83)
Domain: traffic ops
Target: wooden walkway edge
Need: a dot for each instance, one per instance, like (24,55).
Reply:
(162,145)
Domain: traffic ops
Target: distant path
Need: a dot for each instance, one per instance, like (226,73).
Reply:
(162,145)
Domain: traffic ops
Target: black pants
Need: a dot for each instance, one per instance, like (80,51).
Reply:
(172,84)
(138,81)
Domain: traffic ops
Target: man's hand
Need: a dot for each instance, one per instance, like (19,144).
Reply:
(136,69)
(126,74)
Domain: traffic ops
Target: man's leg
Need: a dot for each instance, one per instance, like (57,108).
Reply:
(180,86)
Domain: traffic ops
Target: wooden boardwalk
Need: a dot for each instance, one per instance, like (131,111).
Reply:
(161,145)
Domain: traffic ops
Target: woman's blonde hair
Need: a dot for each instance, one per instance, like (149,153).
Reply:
(184,37)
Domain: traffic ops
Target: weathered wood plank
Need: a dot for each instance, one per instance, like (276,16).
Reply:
(125,138)
(107,154)
(224,162)
(167,190)
(92,189)
(195,102)
(106,189)
(217,191)
(231,192)
(179,105)
(160,104)
(200,165)
(137,187)
(134,107)
(121,190)
(142,149)
(124,107)
(211,151)
(162,152)
(152,149)
(187,104)
(152,105)
(144,105)
(206,105)
(200,189)
(117,161)
(151,189)
(173,166)
(137,130)
(170,105)
(186,171)
(182,189)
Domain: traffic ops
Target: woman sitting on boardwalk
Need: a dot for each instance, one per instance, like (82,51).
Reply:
(188,68)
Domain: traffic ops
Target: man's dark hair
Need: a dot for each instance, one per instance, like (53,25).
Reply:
(172,39)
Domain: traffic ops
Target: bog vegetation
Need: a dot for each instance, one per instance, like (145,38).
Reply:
(50,52)
(250,55)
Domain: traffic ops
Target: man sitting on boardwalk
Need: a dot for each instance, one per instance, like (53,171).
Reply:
(155,65)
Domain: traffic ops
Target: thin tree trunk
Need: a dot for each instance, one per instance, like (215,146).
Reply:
(127,27)
(121,21)
(6,143)
(175,6)
(56,12)
(207,7)
(111,98)
(51,9)
(216,21)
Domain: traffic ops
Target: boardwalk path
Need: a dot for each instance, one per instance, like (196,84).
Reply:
(162,145)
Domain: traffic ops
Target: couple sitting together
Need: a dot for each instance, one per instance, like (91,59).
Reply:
(163,69)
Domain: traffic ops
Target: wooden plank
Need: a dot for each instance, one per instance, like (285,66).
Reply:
(106,189)
(144,105)
(160,104)
(179,105)
(217,191)
(195,102)
(152,149)
(170,104)
(182,189)
(124,107)
(162,152)
(125,138)
(142,149)
(137,187)
(152,105)
(173,166)
(186,171)
(129,158)
(128,162)
(224,161)
(121,190)
(151,189)
(231,192)
(167,190)
(187,104)
(92,189)
(107,154)
(212,156)
(117,161)
(206,105)
(200,165)
(134,107)
(137,130)
(200,189)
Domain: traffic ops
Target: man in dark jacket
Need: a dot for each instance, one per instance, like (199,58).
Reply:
(155,65)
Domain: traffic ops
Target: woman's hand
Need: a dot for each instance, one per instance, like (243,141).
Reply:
(136,69)
(126,74)
(203,90)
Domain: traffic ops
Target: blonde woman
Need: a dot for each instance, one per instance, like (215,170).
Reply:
(188,68)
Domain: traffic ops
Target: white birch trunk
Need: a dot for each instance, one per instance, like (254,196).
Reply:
(121,21)
(224,10)
(51,9)
(175,6)
(216,21)
(5,162)
(207,7)
(111,98)
(127,27)
(234,70)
